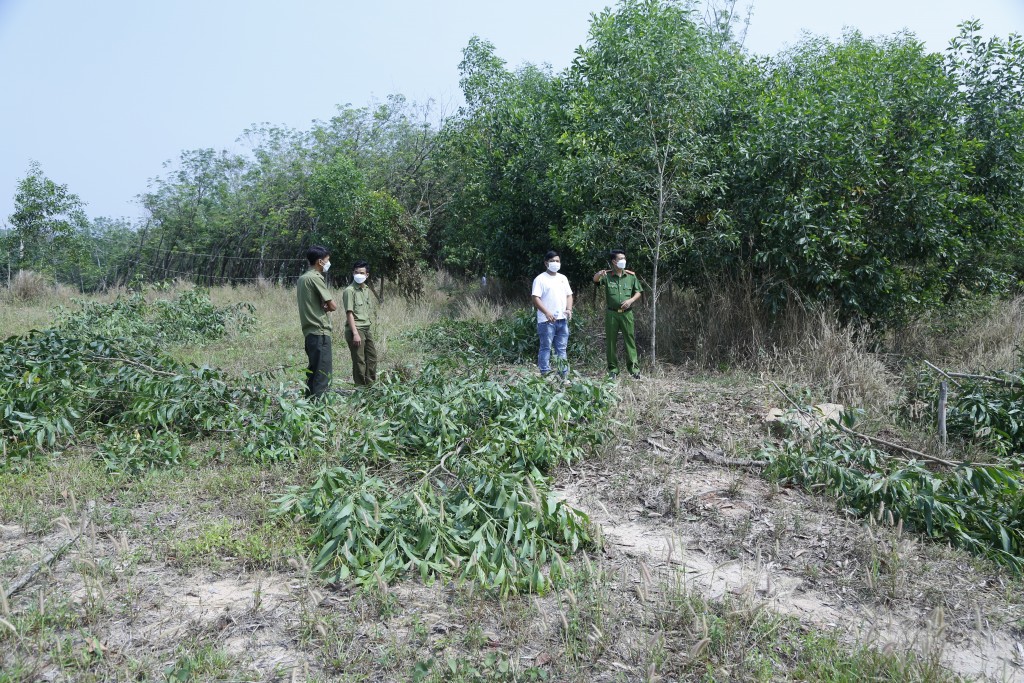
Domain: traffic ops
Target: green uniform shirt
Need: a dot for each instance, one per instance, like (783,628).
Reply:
(312,293)
(618,288)
(356,298)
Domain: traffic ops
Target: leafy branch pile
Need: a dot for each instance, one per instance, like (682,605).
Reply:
(978,508)
(508,340)
(129,399)
(985,411)
(188,319)
(447,479)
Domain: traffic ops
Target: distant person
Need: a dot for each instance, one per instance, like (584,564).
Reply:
(356,299)
(315,302)
(552,297)
(622,289)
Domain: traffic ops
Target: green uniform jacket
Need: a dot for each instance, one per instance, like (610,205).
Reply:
(312,294)
(356,298)
(618,288)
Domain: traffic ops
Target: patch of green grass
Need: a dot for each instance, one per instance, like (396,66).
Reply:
(204,662)
(266,545)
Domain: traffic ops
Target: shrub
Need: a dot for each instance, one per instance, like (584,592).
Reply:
(28,285)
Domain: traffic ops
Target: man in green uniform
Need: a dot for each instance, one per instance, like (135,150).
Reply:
(622,289)
(356,300)
(315,302)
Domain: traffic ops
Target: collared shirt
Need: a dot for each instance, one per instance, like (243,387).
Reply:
(356,298)
(618,288)
(312,293)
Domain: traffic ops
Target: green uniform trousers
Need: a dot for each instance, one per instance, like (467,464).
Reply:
(318,374)
(364,357)
(614,322)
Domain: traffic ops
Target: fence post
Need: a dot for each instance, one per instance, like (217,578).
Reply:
(943,393)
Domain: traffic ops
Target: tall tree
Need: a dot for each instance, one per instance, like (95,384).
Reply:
(47,224)
(637,165)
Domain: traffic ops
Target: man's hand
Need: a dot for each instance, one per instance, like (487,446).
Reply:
(625,306)
(356,339)
(568,314)
(600,273)
(550,317)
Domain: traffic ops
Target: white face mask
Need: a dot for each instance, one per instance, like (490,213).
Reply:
(621,264)
(553,266)
(326,266)
(360,278)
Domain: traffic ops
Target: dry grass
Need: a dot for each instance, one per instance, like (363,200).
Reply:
(836,362)
(984,335)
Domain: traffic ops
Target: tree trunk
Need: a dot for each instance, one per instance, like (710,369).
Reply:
(654,300)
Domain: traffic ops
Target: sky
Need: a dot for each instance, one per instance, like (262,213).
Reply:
(102,93)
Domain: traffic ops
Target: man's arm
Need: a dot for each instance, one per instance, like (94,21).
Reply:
(568,306)
(599,274)
(356,339)
(348,301)
(330,306)
(540,307)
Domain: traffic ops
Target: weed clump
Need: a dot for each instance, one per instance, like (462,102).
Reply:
(28,285)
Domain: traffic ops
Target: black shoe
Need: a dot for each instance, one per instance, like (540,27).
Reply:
(635,375)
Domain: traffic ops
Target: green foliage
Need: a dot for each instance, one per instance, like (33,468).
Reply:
(978,508)
(642,95)
(493,667)
(982,410)
(445,479)
(58,389)
(499,154)
(47,222)
(508,340)
(131,453)
(190,318)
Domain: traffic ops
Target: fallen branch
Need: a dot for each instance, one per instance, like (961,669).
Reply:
(905,449)
(872,439)
(719,459)
(49,559)
(23,580)
(943,373)
(988,378)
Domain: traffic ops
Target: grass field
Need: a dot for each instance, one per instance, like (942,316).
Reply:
(700,571)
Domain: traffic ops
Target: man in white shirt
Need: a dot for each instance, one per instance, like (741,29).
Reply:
(552,297)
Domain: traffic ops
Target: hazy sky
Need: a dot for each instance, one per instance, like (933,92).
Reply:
(102,92)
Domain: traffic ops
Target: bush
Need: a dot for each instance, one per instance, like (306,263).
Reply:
(28,285)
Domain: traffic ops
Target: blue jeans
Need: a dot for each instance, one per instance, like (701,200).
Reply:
(559,332)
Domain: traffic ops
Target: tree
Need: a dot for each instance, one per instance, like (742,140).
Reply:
(359,223)
(849,183)
(637,165)
(47,224)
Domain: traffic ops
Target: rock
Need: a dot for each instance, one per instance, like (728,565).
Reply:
(784,422)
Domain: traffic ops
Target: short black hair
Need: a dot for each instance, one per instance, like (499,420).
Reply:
(360,264)
(615,252)
(316,252)
(550,255)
